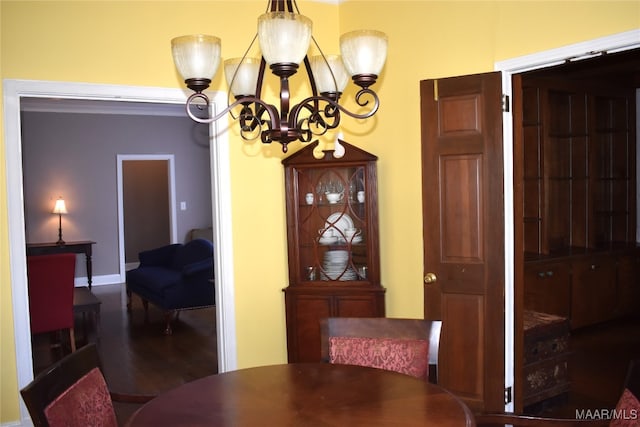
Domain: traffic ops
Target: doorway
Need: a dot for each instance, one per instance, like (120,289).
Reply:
(146,205)
(514,270)
(14,92)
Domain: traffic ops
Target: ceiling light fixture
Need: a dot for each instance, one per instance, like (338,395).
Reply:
(284,37)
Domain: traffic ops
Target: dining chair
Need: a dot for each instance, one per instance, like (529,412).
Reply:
(73,393)
(51,282)
(625,414)
(408,346)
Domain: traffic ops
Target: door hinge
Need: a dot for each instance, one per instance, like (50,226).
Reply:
(508,395)
(505,103)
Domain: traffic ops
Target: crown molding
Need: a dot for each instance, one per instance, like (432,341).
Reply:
(79,106)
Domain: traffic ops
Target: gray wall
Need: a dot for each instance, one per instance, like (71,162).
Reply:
(74,156)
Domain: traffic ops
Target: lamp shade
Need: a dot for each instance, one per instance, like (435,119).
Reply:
(284,37)
(364,51)
(60,207)
(196,56)
(242,75)
(329,73)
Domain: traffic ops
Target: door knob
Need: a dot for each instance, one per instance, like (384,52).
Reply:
(430,278)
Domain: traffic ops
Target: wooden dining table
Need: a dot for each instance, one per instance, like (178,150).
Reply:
(305,394)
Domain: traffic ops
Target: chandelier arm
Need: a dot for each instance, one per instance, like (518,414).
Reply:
(307,66)
(307,128)
(308,104)
(312,81)
(294,6)
(318,118)
(274,121)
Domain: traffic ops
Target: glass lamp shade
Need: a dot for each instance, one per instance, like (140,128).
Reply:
(196,56)
(364,51)
(243,81)
(60,207)
(330,75)
(284,37)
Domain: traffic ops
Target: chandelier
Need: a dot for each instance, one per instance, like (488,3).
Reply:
(284,37)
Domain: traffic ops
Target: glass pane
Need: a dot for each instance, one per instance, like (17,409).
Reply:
(332,224)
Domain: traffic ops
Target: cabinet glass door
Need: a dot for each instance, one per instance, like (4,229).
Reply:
(332,224)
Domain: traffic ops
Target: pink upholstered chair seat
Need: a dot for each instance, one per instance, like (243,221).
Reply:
(405,356)
(86,403)
(627,412)
(407,346)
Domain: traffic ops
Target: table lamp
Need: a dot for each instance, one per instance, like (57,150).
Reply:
(60,209)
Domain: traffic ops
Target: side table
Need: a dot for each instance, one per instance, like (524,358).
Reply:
(78,247)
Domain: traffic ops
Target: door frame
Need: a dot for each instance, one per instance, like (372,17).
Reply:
(171,187)
(575,52)
(13,91)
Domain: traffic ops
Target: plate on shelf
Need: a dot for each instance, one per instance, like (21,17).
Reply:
(327,240)
(335,266)
(340,221)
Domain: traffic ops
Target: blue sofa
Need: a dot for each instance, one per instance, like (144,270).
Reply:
(174,277)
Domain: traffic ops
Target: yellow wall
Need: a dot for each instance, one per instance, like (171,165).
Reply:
(127,43)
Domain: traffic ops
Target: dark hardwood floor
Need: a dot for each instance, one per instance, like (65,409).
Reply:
(139,359)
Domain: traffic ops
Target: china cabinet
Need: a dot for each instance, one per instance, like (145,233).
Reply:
(579,191)
(333,246)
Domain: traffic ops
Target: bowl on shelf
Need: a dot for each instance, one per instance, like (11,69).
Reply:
(333,197)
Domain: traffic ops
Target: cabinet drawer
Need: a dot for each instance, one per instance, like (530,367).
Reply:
(358,306)
(547,287)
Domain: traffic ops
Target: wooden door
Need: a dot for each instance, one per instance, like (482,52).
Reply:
(463,211)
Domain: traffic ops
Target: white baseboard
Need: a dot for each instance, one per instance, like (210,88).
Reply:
(108,279)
